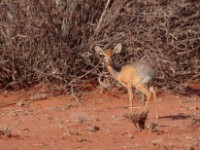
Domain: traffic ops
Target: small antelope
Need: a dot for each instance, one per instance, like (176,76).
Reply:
(138,74)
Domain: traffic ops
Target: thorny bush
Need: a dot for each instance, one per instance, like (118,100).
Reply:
(53,40)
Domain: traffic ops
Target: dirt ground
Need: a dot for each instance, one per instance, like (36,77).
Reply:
(41,122)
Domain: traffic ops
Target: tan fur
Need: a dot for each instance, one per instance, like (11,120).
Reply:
(138,74)
(108,53)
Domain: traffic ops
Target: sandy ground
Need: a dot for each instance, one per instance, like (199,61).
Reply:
(59,123)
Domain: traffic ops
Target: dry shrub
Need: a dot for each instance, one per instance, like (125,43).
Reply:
(5,131)
(53,40)
(138,119)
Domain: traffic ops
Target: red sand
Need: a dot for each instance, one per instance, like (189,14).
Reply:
(59,123)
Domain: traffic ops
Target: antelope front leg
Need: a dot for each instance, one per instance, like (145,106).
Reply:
(130,96)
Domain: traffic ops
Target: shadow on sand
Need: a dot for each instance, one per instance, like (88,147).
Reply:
(180,116)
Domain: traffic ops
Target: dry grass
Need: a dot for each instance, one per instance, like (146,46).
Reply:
(138,119)
(52,41)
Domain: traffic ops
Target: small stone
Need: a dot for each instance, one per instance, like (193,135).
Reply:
(190,148)
(82,140)
(14,115)
(130,136)
(25,129)
(153,127)
(94,128)
(20,103)
(25,113)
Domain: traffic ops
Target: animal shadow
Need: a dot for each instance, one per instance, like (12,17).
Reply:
(179,116)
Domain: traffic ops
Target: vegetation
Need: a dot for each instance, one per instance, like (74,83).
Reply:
(53,40)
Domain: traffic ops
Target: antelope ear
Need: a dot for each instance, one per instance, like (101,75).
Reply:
(118,48)
(98,50)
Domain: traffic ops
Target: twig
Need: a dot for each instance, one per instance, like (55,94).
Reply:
(102,15)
